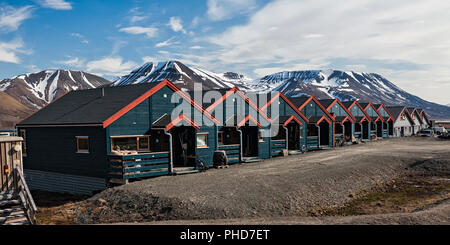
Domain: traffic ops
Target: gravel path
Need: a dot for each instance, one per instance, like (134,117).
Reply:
(286,186)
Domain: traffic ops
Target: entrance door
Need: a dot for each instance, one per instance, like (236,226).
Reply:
(379,129)
(250,136)
(324,129)
(293,136)
(348,130)
(365,130)
(402,131)
(183,146)
(391,128)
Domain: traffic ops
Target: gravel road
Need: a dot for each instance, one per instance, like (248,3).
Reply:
(285,187)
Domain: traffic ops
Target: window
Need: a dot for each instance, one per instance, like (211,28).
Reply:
(128,143)
(82,144)
(220,137)
(202,140)
(261,135)
(23,134)
(144,144)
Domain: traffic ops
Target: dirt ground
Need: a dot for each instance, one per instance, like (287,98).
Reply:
(391,181)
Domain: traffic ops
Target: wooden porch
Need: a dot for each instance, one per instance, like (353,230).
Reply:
(128,167)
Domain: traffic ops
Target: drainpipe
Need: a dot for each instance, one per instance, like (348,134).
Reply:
(241,153)
(286,137)
(318,140)
(170,151)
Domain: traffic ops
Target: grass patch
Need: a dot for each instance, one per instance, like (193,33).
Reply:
(406,194)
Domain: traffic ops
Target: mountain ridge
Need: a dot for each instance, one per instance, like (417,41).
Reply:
(37,89)
(323,84)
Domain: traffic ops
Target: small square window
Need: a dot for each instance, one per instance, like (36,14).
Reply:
(82,144)
(202,140)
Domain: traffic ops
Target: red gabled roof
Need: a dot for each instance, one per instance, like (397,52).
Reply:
(375,109)
(242,95)
(182,117)
(318,103)
(293,117)
(323,118)
(279,94)
(352,118)
(248,117)
(386,109)
(149,93)
(362,109)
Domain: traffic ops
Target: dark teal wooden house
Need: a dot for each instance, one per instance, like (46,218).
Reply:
(290,123)
(344,122)
(320,131)
(243,130)
(388,122)
(376,122)
(87,138)
(362,120)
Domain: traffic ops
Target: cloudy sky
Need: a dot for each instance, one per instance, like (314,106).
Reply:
(407,41)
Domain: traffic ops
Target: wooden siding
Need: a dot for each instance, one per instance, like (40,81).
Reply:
(311,110)
(54,150)
(57,182)
(138,166)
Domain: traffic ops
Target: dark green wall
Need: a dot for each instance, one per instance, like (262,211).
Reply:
(54,150)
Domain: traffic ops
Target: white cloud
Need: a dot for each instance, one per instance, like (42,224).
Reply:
(147,59)
(404,31)
(168,42)
(295,67)
(313,35)
(55,4)
(196,47)
(78,35)
(137,30)
(137,18)
(176,24)
(72,62)
(227,9)
(11,18)
(9,51)
(112,66)
(195,21)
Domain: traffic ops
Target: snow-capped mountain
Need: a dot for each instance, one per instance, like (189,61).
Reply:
(345,85)
(36,90)
(183,76)
(324,84)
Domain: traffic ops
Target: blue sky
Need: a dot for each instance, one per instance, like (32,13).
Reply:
(407,41)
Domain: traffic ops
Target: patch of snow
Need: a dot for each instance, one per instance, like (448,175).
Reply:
(86,80)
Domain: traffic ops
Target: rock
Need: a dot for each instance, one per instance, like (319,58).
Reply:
(101,201)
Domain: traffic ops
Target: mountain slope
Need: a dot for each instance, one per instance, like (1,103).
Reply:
(183,76)
(345,85)
(36,90)
(11,111)
(324,84)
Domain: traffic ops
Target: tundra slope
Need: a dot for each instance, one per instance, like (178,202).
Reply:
(290,186)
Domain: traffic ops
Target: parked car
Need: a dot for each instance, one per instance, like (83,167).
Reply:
(439,130)
(444,136)
(425,133)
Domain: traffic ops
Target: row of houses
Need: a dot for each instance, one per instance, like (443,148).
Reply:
(88,139)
